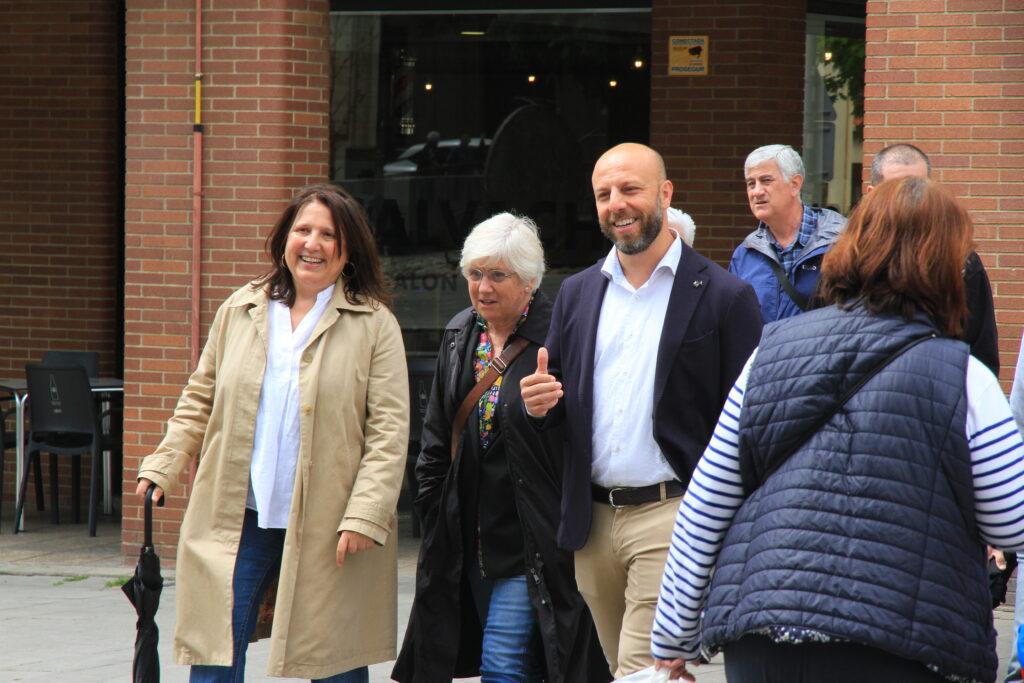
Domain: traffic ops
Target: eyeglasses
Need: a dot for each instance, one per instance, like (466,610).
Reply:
(495,276)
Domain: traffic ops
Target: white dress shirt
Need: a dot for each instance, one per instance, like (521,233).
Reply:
(625,360)
(275,448)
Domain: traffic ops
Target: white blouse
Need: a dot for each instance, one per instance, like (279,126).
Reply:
(275,448)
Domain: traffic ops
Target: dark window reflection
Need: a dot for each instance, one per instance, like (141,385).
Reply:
(441,120)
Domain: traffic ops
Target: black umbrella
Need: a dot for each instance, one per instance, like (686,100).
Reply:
(143,590)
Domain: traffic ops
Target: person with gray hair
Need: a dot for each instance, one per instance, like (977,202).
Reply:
(495,596)
(897,161)
(781,258)
(681,222)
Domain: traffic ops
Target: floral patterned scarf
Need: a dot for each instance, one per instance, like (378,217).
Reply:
(482,358)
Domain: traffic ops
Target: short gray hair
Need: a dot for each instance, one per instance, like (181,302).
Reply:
(683,224)
(900,154)
(508,238)
(784,156)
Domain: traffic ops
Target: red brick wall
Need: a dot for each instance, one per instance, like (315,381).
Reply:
(948,76)
(705,126)
(59,184)
(265,114)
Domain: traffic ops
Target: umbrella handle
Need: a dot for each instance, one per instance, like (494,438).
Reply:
(148,527)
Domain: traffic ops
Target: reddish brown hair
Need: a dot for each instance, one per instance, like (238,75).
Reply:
(903,251)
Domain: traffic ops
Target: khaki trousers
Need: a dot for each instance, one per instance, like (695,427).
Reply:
(619,571)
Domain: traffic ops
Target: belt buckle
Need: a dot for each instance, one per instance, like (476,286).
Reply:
(611,497)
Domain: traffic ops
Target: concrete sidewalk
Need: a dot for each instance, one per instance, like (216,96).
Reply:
(63,616)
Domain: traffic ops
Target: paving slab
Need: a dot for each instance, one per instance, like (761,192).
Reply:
(63,615)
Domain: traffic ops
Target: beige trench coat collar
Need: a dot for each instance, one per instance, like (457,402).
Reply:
(258,303)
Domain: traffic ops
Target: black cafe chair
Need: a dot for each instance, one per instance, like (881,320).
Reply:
(65,421)
(90,360)
(9,442)
(421,376)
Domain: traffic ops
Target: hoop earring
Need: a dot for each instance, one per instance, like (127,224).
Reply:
(348,270)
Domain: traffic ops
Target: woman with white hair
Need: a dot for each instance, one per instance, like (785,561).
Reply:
(495,596)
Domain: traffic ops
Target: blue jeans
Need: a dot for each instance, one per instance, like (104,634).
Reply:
(511,646)
(256,566)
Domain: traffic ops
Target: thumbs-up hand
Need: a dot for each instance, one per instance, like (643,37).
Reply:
(540,390)
(542,361)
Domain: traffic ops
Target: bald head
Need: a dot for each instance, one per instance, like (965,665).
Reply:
(897,161)
(636,155)
(631,194)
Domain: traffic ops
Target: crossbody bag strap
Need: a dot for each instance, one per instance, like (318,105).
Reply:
(496,369)
(779,462)
(799,299)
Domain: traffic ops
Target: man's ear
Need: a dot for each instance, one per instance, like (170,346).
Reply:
(869,188)
(797,181)
(666,193)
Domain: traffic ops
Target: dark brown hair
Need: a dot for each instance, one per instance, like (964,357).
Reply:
(903,250)
(364,281)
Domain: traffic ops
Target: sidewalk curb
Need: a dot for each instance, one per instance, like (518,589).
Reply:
(108,572)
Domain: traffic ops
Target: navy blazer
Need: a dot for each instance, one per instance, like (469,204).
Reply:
(712,324)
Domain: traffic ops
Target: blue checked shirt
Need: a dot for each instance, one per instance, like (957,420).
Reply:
(789,255)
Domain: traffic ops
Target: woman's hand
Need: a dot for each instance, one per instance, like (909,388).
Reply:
(143,486)
(676,667)
(352,542)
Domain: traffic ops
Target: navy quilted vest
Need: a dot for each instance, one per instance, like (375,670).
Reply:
(867,532)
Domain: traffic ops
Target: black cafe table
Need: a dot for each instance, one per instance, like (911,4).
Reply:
(19,388)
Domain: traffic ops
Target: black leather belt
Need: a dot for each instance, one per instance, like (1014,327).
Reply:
(621,496)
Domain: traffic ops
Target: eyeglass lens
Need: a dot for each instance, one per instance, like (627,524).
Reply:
(495,276)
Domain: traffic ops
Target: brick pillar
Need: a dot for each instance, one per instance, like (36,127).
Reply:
(59,189)
(705,126)
(265,113)
(948,76)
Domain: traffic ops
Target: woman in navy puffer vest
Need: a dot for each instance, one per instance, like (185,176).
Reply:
(860,556)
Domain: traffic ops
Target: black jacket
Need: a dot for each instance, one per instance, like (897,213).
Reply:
(444,634)
(980,333)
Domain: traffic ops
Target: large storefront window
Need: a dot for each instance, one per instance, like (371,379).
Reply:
(443,118)
(833,111)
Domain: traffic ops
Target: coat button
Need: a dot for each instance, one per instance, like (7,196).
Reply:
(306,410)
(307,358)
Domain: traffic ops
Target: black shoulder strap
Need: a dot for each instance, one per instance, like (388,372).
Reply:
(799,299)
(780,461)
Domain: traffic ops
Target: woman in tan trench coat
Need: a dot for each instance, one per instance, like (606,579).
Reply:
(337,402)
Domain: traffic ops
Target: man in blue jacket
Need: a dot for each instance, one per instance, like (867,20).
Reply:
(781,259)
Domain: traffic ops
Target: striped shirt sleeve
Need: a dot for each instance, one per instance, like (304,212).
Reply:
(714,495)
(997,460)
